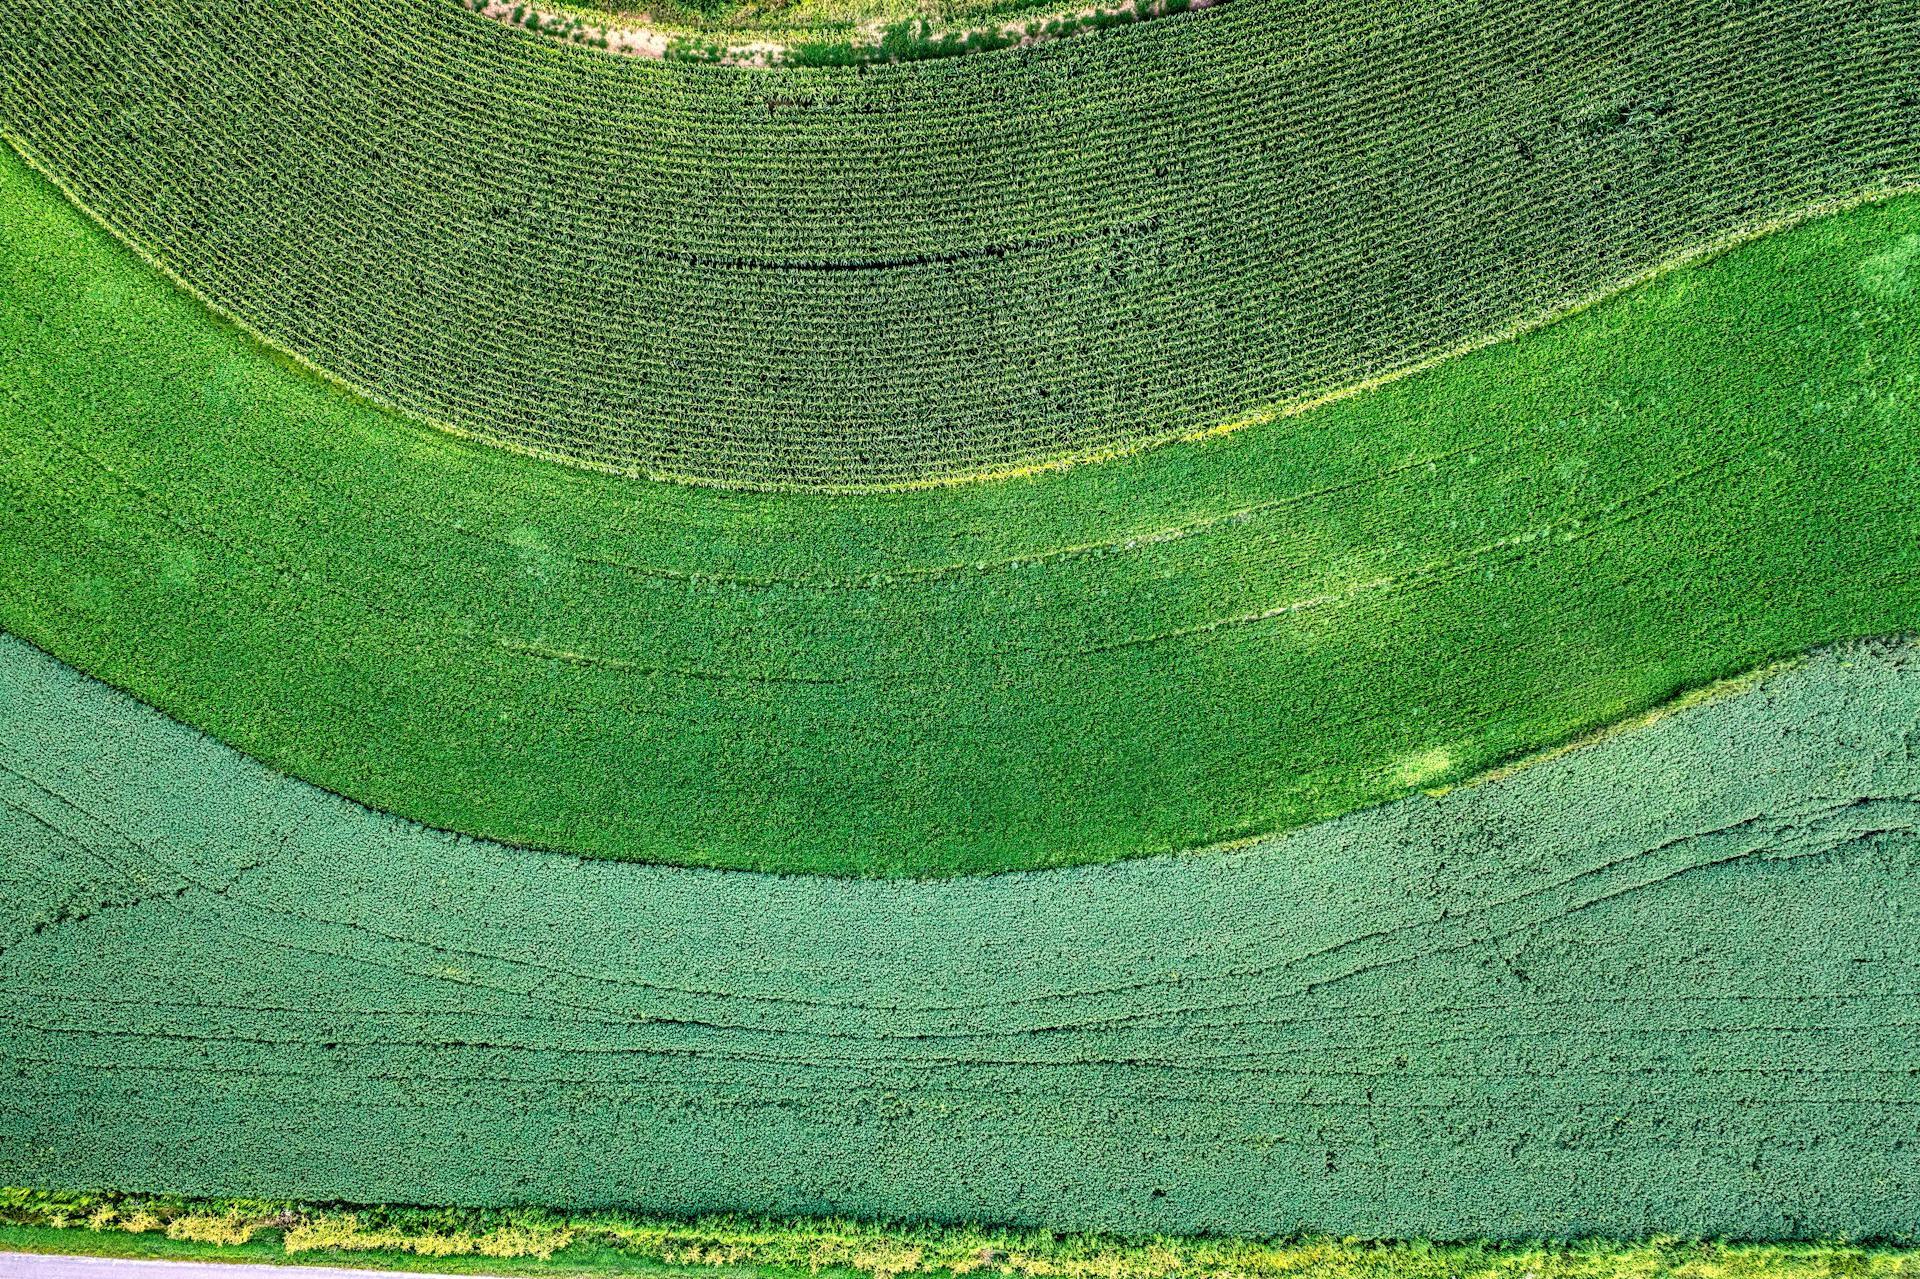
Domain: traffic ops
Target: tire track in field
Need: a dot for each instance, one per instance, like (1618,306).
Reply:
(1813,834)
(993,743)
(1695,924)
(1809,829)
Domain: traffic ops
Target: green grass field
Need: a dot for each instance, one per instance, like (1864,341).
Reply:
(1508,1011)
(913,273)
(1186,647)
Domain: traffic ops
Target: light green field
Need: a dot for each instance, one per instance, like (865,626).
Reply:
(1509,1011)
(1195,645)
(916,273)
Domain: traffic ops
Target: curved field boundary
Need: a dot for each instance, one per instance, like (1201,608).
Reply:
(1665,983)
(870,41)
(935,271)
(1177,650)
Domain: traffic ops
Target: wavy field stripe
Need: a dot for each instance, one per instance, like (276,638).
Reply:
(930,272)
(1177,650)
(1513,1009)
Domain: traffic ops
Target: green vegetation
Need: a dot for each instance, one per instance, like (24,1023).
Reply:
(104,1224)
(713,36)
(1185,647)
(1508,1010)
(266,1248)
(1520,367)
(801,21)
(834,277)
(917,40)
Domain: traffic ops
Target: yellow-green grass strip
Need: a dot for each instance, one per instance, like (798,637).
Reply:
(938,271)
(1665,983)
(534,1243)
(1180,649)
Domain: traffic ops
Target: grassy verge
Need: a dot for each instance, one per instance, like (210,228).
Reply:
(268,1247)
(522,1242)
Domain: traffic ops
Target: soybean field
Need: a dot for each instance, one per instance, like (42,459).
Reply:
(1508,1010)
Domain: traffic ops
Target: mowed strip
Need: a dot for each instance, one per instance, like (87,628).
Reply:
(1514,1009)
(932,271)
(1189,647)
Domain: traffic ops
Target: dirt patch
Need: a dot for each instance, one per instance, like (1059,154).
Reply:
(877,41)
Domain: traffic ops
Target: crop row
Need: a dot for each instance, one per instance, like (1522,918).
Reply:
(834,278)
(1166,651)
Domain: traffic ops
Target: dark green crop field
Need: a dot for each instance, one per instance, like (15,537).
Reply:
(1512,1010)
(936,270)
(1188,646)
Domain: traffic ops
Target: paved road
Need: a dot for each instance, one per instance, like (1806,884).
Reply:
(28,1265)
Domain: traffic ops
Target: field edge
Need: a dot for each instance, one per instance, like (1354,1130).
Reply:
(534,1242)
